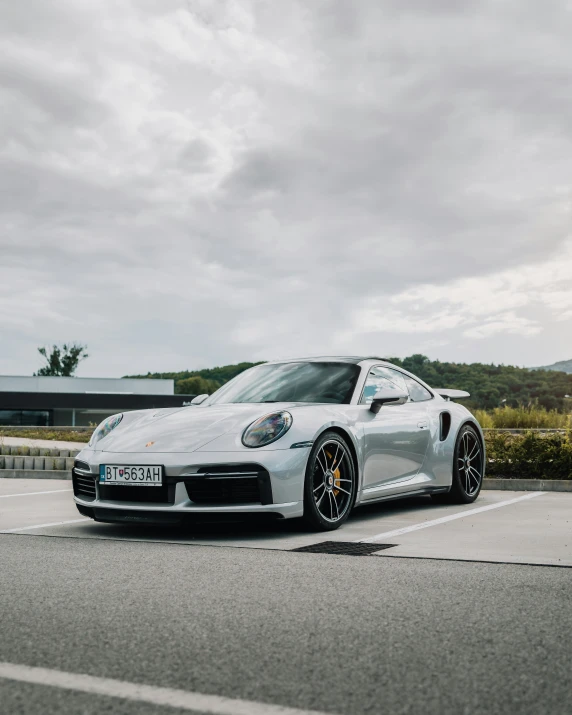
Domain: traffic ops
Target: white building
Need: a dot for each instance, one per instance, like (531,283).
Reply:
(80,401)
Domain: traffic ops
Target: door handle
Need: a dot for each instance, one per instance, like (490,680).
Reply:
(422,424)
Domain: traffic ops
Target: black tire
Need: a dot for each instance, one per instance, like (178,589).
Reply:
(468,469)
(330,476)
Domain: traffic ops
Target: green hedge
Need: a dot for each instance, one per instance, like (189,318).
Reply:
(529,455)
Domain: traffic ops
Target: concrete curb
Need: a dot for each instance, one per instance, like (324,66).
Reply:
(529,485)
(34,474)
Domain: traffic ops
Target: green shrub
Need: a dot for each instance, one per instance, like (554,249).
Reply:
(530,455)
(522,418)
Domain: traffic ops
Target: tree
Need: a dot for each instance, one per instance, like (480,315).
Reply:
(62,361)
(196,386)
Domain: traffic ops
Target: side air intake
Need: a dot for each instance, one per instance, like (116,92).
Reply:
(444,425)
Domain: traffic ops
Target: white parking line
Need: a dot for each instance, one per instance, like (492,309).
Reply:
(41,526)
(445,519)
(171,697)
(31,494)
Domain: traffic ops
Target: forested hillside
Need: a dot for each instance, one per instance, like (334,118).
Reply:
(490,385)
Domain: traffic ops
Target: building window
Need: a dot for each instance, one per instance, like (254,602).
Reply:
(25,418)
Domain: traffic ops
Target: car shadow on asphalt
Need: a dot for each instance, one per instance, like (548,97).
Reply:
(248,527)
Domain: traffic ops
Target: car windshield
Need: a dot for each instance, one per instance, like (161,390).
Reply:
(292,382)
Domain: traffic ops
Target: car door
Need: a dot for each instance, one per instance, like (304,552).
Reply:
(397,437)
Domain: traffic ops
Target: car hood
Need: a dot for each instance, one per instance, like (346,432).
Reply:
(182,430)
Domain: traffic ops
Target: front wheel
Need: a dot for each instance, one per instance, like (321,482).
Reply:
(468,469)
(330,485)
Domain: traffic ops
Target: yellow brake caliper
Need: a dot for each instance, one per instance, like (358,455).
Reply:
(337,481)
(337,476)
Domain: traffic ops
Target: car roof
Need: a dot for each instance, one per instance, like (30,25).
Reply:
(331,358)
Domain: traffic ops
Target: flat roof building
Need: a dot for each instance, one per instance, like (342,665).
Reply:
(80,401)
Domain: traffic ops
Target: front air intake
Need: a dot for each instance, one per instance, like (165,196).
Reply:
(225,484)
(83,485)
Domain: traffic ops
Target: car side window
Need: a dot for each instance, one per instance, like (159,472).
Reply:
(377,378)
(417,392)
(398,378)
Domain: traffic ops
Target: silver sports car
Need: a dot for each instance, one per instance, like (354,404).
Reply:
(310,438)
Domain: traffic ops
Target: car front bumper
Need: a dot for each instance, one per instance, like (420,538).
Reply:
(282,469)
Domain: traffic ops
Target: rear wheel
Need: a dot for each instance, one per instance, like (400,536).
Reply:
(330,486)
(468,469)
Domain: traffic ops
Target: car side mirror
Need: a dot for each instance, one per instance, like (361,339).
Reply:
(198,399)
(387,396)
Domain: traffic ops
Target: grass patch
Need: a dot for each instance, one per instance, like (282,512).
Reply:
(523,418)
(55,434)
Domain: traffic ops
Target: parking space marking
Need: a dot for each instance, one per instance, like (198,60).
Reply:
(31,494)
(170,697)
(41,526)
(444,519)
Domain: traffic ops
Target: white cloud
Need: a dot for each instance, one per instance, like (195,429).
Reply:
(504,323)
(484,306)
(396,321)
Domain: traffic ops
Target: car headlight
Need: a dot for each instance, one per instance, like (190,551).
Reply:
(267,429)
(105,428)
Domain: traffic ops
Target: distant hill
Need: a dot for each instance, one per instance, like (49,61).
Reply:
(562,366)
(490,385)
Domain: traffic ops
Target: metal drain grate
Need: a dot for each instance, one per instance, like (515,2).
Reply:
(343,548)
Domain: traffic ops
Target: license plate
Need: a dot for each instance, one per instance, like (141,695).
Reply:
(135,475)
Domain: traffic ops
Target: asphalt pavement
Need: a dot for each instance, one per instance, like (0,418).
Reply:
(274,627)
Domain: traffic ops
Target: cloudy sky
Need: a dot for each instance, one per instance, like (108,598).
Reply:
(188,183)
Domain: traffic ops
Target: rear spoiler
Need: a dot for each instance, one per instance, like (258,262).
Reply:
(453,394)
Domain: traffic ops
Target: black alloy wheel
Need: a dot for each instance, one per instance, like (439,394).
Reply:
(330,486)
(468,468)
